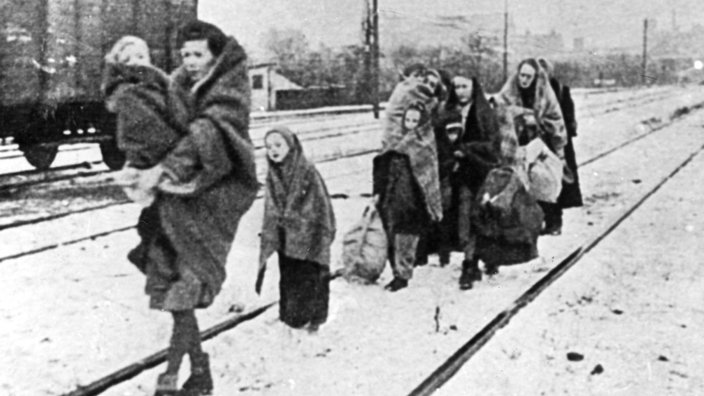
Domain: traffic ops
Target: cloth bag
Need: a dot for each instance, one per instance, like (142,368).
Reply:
(364,248)
(544,170)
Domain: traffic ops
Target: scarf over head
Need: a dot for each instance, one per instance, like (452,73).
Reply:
(418,144)
(298,216)
(545,106)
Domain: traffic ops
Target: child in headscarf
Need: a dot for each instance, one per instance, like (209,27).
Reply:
(299,224)
(407,188)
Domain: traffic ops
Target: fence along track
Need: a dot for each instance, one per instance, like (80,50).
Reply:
(455,362)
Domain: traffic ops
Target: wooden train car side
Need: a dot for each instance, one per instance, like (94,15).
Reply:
(51,62)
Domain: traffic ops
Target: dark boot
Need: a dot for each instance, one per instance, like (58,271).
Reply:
(200,383)
(491,269)
(396,284)
(444,257)
(470,273)
(166,385)
(553,219)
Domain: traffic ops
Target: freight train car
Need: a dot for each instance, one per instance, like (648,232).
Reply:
(51,62)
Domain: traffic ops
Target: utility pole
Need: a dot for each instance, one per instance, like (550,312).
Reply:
(645,50)
(375,57)
(505,40)
(366,84)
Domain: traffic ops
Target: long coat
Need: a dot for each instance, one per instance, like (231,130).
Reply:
(571,195)
(210,183)
(480,145)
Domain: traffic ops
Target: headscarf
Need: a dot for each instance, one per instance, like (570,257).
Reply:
(545,106)
(297,207)
(419,146)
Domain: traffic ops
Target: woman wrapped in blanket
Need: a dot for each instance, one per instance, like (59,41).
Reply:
(299,224)
(534,107)
(406,181)
(202,187)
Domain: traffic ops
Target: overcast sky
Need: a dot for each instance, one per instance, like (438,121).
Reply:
(338,22)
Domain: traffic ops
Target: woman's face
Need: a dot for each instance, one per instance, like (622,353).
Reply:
(276,147)
(197,58)
(463,89)
(526,75)
(411,119)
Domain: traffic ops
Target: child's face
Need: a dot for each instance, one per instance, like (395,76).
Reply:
(453,134)
(136,54)
(276,147)
(411,119)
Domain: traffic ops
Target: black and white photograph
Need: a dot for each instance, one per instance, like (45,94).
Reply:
(351,197)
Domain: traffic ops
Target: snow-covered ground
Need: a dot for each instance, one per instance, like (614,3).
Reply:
(77,313)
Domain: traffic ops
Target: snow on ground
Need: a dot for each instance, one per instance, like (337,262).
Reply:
(78,313)
(629,314)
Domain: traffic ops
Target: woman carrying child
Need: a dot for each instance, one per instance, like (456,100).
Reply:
(299,224)
(202,184)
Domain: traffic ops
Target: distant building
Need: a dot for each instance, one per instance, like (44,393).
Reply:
(265,82)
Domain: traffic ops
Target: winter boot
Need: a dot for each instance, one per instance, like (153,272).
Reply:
(470,273)
(396,284)
(491,269)
(200,383)
(444,257)
(166,385)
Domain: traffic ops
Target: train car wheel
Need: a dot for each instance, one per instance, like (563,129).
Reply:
(40,157)
(112,156)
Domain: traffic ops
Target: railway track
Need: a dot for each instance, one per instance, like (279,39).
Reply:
(312,127)
(593,159)
(453,364)
(311,130)
(311,134)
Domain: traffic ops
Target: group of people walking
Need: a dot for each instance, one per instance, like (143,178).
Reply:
(450,162)
(456,164)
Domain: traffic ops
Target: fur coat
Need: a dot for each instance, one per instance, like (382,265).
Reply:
(209,183)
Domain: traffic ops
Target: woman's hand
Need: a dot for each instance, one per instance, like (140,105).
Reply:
(150,178)
(529,119)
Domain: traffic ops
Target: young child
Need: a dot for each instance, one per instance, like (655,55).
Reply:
(405,179)
(447,135)
(152,112)
(299,224)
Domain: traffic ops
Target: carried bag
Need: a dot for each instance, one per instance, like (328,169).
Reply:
(544,170)
(364,248)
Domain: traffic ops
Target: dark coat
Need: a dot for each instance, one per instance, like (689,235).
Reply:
(479,143)
(212,184)
(507,219)
(571,195)
(401,205)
